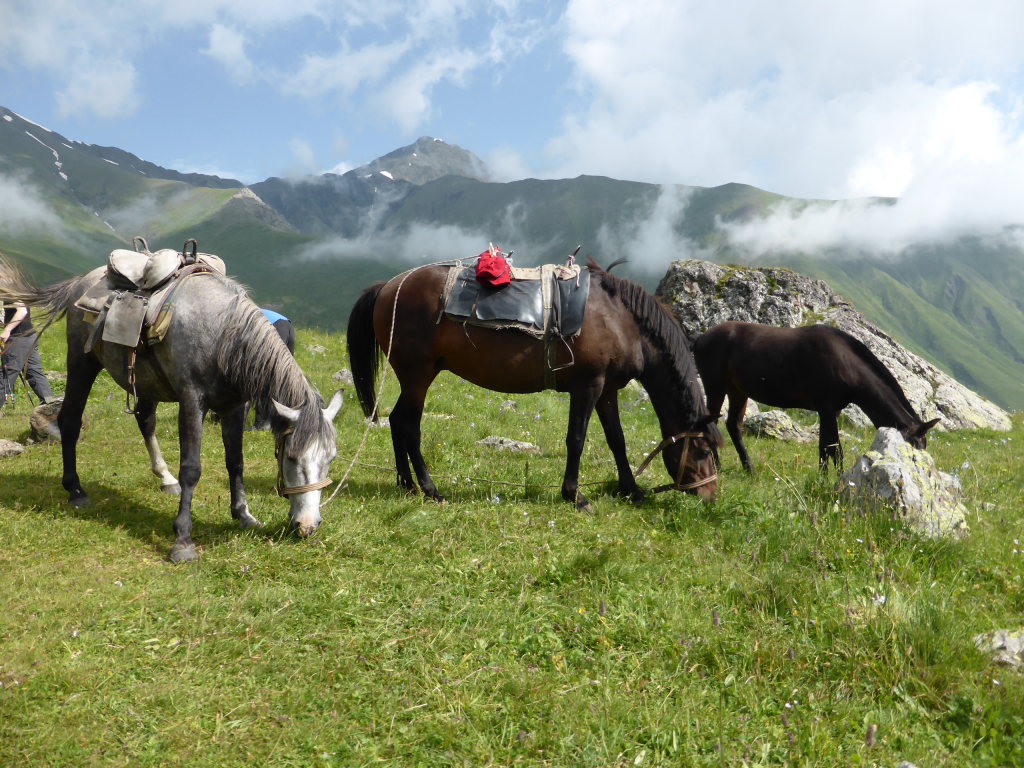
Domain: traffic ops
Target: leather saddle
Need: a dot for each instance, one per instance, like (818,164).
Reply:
(133,294)
(543,301)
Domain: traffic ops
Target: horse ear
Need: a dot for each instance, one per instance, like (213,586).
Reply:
(334,406)
(291,415)
(923,429)
(707,420)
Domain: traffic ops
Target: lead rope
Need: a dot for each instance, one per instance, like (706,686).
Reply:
(380,388)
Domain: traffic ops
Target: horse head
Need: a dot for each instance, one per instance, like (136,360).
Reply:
(917,434)
(304,450)
(692,459)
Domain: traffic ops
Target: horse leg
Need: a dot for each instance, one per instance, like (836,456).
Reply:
(145,417)
(232,424)
(410,414)
(734,423)
(581,405)
(828,440)
(715,396)
(82,372)
(608,413)
(190,437)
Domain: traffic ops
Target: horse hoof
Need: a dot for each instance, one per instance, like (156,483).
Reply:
(174,489)
(246,520)
(77,502)
(184,553)
(584,505)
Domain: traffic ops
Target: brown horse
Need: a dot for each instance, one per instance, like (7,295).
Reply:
(815,367)
(626,334)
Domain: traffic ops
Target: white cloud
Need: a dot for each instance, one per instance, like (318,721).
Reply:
(227,47)
(105,89)
(804,98)
(23,209)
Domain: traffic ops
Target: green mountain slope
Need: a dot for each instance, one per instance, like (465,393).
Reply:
(308,247)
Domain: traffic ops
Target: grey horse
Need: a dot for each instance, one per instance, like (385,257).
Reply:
(218,353)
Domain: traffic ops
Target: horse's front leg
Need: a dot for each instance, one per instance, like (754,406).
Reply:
(829,446)
(232,424)
(82,372)
(145,417)
(581,405)
(608,413)
(190,438)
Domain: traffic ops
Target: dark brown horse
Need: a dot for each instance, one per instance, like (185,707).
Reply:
(816,367)
(626,334)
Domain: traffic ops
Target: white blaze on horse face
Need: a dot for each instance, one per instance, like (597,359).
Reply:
(310,469)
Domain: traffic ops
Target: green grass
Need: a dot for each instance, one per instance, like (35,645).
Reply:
(503,627)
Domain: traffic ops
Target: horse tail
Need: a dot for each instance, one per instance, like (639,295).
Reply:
(364,352)
(51,300)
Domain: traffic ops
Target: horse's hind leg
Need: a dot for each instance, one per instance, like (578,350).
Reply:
(829,446)
(232,425)
(82,372)
(190,437)
(734,423)
(406,417)
(145,417)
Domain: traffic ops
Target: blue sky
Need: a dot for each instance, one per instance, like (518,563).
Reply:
(920,99)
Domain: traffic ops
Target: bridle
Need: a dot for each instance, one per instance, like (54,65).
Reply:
(678,485)
(282,489)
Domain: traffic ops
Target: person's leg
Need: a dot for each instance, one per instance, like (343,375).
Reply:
(286,331)
(13,358)
(34,373)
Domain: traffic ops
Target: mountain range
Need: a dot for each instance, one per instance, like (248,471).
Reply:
(308,246)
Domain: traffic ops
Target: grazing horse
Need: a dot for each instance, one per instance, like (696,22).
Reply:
(815,367)
(218,353)
(626,334)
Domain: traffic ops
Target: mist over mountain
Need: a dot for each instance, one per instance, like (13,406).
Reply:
(308,246)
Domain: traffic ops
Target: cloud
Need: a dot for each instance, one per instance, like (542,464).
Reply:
(652,240)
(23,209)
(806,99)
(106,89)
(227,47)
(417,244)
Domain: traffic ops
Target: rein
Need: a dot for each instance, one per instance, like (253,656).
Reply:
(678,485)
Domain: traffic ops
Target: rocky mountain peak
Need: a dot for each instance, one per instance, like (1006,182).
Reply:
(425,160)
(704,294)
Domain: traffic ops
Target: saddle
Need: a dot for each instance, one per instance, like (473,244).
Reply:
(543,301)
(131,299)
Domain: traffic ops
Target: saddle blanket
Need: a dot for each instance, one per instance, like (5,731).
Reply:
(538,300)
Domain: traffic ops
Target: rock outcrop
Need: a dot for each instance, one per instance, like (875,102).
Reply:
(704,294)
(896,474)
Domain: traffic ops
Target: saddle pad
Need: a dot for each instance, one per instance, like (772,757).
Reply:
(529,305)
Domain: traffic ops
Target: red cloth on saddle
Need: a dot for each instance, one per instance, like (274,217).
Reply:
(492,269)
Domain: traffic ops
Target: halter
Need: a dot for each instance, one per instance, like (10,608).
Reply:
(282,489)
(678,485)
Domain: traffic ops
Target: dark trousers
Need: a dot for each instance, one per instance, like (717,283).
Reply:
(22,352)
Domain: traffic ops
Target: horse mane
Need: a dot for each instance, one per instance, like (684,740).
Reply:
(252,355)
(864,353)
(659,325)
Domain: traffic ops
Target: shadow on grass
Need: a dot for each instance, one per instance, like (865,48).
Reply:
(148,521)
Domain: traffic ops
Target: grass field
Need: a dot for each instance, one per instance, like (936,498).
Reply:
(778,626)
